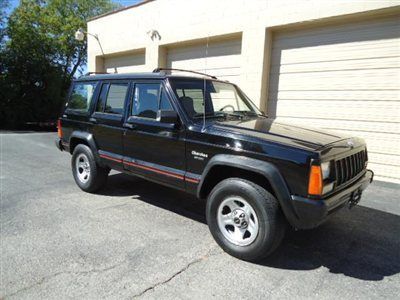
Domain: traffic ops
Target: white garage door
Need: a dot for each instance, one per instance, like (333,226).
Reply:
(223,59)
(343,78)
(125,63)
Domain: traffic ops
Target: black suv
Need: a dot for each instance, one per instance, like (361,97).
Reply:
(204,136)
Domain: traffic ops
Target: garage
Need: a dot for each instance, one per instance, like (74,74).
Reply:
(346,78)
(125,63)
(223,58)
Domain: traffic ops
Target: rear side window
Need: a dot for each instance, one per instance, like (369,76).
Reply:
(112,98)
(102,98)
(116,98)
(81,96)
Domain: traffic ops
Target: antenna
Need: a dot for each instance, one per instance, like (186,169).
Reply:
(204,88)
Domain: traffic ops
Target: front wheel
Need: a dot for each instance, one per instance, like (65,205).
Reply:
(88,175)
(244,219)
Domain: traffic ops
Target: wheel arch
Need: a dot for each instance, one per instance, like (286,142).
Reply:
(263,173)
(86,138)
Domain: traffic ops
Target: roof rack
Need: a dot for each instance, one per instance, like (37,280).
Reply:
(91,73)
(158,70)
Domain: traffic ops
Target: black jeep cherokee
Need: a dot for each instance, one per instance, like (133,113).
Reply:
(204,136)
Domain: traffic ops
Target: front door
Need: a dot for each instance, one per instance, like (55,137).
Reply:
(153,149)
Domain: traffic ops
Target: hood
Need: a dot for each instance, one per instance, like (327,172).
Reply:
(294,135)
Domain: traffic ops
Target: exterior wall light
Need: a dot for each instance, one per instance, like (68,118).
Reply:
(80,36)
(153,34)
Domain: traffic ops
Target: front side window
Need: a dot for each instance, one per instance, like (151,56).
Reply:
(81,96)
(164,101)
(221,99)
(148,98)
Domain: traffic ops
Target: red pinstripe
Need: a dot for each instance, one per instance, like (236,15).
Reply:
(154,170)
(110,158)
(192,180)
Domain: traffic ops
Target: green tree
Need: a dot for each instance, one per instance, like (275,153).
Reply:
(3,9)
(40,56)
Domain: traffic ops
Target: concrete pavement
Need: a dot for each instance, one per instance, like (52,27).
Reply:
(136,239)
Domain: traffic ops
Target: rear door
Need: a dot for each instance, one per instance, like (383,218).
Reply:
(107,120)
(78,107)
(153,149)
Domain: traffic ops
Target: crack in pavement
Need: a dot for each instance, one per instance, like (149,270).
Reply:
(45,278)
(184,269)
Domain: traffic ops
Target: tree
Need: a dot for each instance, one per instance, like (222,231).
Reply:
(40,56)
(3,14)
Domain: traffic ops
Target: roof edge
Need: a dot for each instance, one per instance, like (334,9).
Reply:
(119,10)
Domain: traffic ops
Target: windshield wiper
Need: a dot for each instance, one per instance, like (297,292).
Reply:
(248,113)
(233,114)
(225,114)
(209,115)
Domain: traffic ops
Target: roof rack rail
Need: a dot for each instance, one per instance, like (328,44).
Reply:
(158,70)
(91,73)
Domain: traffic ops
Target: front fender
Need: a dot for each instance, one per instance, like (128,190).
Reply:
(266,169)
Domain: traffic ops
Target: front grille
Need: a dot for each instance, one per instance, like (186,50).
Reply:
(349,167)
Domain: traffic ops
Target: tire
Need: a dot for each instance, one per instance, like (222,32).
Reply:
(88,175)
(265,222)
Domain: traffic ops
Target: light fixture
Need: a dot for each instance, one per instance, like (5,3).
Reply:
(152,33)
(80,36)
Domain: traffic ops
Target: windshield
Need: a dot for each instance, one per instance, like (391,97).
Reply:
(222,99)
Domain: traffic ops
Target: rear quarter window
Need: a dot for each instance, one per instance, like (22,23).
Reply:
(81,97)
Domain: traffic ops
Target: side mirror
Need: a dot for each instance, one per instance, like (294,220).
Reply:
(167,116)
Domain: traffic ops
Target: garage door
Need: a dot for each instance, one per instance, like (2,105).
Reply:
(223,59)
(125,63)
(343,78)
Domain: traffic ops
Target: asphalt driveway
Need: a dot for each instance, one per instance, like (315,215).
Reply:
(138,239)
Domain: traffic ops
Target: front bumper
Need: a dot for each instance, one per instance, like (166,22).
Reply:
(312,213)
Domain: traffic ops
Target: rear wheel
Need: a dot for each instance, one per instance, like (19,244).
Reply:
(244,219)
(88,175)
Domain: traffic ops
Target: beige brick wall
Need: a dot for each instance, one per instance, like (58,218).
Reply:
(180,21)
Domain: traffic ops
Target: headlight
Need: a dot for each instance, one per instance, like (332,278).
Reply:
(326,170)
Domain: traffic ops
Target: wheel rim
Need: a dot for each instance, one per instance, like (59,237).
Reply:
(238,221)
(82,168)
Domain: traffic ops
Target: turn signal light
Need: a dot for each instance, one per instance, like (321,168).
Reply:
(315,181)
(59,130)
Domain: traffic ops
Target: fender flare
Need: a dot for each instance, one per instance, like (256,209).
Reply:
(89,139)
(266,169)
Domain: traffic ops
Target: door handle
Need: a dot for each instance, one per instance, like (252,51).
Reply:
(93,120)
(129,125)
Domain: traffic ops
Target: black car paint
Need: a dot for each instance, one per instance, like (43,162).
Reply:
(180,155)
